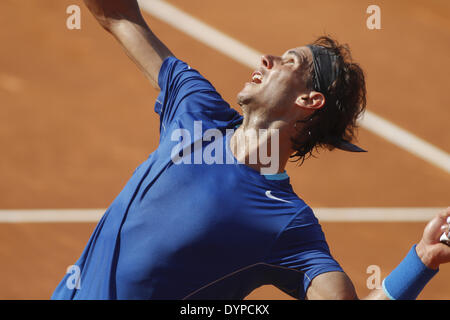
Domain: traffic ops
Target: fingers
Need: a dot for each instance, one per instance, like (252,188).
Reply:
(445,237)
(445,227)
(443,220)
(445,215)
(437,227)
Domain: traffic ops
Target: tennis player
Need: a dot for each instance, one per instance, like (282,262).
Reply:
(197,229)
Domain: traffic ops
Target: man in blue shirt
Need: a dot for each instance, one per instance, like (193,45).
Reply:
(201,218)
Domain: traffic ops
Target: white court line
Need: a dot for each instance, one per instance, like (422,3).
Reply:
(51,215)
(323,214)
(376,214)
(250,58)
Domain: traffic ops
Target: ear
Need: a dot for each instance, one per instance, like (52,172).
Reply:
(313,101)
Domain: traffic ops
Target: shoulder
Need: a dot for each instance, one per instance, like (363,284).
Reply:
(302,231)
(185,91)
(175,73)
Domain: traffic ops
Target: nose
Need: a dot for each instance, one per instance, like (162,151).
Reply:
(267,61)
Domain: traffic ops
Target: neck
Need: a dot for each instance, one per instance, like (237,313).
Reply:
(263,144)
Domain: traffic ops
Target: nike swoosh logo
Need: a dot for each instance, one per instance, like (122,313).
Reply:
(270,196)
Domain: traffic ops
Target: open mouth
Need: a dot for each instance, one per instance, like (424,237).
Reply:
(257,77)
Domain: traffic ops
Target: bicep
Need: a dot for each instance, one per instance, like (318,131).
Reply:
(331,286)
(338,286)
(142,46)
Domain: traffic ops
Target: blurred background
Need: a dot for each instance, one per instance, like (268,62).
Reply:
(76,119)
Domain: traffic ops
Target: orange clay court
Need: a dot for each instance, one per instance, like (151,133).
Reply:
(76,119)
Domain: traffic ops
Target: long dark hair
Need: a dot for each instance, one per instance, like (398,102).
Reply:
(345,101)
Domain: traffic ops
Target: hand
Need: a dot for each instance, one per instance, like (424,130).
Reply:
(123,19)
(108,11)
(430,250)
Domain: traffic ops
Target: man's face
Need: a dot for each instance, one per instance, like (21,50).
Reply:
(278,82)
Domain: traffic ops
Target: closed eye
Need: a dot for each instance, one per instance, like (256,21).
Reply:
(289,61)
(292,57)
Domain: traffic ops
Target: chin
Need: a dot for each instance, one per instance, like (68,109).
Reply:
(244,97)
(240,100)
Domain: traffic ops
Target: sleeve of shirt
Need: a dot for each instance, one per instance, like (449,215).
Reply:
(185,90)
(301,249)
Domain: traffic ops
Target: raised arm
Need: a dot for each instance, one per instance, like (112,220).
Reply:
(406,281)
(123,19)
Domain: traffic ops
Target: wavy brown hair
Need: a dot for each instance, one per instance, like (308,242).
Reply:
(345,101)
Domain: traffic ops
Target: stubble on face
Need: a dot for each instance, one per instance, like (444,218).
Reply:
(277,81)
